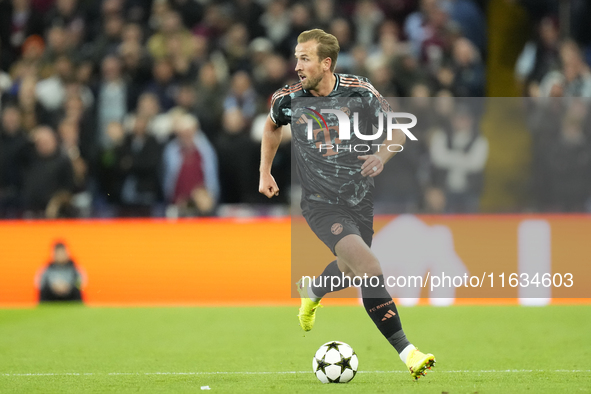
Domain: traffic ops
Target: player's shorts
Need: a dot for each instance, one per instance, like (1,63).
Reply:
(332,222)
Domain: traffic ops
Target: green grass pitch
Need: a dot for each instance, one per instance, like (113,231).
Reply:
(484,349)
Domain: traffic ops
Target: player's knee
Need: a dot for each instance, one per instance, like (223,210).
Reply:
(371,268)
(348,273)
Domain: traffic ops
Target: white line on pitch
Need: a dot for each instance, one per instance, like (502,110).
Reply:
(280,372)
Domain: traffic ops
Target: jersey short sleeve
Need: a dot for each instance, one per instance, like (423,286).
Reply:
(377,104)
(281,104)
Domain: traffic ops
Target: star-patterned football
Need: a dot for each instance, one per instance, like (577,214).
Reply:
(335,362)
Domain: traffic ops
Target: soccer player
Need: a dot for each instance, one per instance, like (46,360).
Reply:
(337,188)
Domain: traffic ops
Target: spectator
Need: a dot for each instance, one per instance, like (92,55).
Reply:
(51,92)
(159,123)
(237,158)
(569,162)
(85,74)
(175,43)
(552,85)
(137,11)
(300,21)
(399,187)
(574,78)
(235,49)
(210,99)
(108,40)
(436,44)
(273,74)
(341,29)
(458,157)
(381,78)
(408,73)
(6,58)
(112,7)
(158,11)
(132,33)
(18,20)
(191,182)
(69,15)
(276,21)
(191,12)
(75,111)
(366,19)
(544,120)
(61,279)
(242,96)
(261,49)
(112,98)
(249,12)
(576,72)
(468,70)
(170,29)
(185,66)
(136,66)
(416,26)
(110,175)
(199,56)
(186,102)
(387,49)
(539,56)
(216,21)
(538,9)
(324,16)
(164,85)
(48,174)
(69,134)
(139,164)
(579,23)
(471,21)
(32,111)
(79,90)
(95,15)
(58,44)
(359,55)
(398,11)
(565,162)
(32,55)
(13,144)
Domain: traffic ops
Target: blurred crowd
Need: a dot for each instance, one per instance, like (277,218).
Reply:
(554,70)
(119,108)
(561,154)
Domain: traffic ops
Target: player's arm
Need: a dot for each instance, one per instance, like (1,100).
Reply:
(270,143)
(385,153)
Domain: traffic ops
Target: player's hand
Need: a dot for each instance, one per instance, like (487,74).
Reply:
(268,186)
(372,165)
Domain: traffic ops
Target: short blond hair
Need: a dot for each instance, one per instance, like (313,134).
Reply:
(328,45)
(187,121)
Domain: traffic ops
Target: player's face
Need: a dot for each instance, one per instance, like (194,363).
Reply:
(309,67)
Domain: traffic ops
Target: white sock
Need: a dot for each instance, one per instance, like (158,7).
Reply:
(313,296)
(404,354)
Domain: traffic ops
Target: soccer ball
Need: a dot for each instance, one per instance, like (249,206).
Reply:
(335,362)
